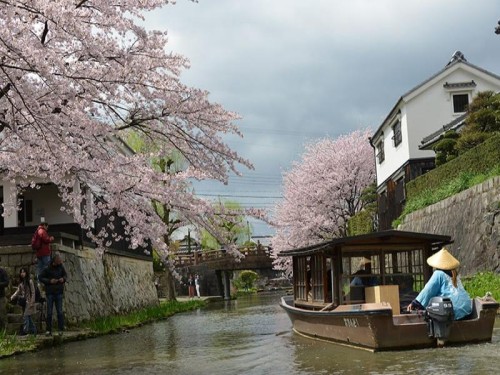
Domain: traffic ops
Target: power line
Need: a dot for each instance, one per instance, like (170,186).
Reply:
(239,196)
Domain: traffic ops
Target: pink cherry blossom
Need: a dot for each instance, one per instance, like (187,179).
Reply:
(322,191)
(75,76)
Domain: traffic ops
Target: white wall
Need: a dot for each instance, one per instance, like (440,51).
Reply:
(46,203)
(395,156)
(424,111)
(432,109)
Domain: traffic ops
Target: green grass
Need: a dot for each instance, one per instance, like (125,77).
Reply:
(10,344)
(481,283)
(428,197)
(118,322)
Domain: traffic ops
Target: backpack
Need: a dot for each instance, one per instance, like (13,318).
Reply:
(36,241)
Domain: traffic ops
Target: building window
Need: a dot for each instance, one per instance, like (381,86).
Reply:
(460,103)
(396,129)
(380,152)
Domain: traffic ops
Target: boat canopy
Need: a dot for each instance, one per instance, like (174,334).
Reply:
(339,271)
(371,241)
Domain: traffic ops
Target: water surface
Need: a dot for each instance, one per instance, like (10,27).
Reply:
(249,336)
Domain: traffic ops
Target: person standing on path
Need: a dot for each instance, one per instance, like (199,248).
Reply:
(54,277)
(197,285)
(25,295)
(43,251)
(4,282)
(191,286)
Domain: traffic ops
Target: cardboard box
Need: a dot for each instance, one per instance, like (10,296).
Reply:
(384,293)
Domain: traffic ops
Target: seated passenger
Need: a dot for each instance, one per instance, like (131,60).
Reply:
(362,277)
(361,280)
(444,282)
(406,292)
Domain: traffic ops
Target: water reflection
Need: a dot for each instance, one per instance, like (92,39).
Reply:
(248,336)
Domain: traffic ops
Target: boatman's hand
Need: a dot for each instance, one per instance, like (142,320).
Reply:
(409,308)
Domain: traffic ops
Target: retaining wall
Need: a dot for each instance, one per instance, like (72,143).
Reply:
(98,284)
(472,219)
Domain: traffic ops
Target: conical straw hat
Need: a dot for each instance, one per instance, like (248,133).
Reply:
(443,260)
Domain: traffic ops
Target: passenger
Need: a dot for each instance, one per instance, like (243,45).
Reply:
(444,282)
(361,277)
(406,292)
(361,280)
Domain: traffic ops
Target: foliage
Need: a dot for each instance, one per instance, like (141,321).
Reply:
(483,120)
(322,191)
(246,280)
(361,223)
(481,283)
(10,344)
(481,160)
(75,78)
(232,226)
(445,149)
(364,221)
(430,196)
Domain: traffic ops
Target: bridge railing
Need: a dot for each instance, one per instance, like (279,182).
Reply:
(201,256)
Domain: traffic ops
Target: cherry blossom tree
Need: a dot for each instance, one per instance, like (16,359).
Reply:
(74,77)
(322,191)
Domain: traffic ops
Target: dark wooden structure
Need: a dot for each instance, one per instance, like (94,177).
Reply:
(71,235)
(392,198)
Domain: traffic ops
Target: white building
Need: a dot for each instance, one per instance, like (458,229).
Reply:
(437,101)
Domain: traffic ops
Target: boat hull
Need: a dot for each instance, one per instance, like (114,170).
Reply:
(374,327)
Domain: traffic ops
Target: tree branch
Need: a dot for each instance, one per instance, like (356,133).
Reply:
(81,3)
(45,32)
(5,90)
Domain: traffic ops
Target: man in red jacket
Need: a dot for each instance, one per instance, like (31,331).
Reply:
(43,252)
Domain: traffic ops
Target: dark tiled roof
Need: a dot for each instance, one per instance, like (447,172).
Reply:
(434,137)
(459,85)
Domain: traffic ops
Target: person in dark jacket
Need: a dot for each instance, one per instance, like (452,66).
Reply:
(4,282)
(54,278)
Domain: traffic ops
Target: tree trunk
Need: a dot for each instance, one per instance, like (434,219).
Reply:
(168,286)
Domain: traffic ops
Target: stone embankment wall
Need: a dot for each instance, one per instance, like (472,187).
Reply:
(98,284)
(472,219)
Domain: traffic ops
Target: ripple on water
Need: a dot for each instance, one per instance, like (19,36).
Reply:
(248,336)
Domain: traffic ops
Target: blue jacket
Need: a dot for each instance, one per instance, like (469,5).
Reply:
(441,284)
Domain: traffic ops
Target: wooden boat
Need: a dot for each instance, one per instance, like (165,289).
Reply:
(327,306)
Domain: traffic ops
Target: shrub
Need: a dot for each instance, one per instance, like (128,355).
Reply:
(481,283)
(482,159)
(246,280)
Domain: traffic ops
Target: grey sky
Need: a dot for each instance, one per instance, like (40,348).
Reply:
(300,70)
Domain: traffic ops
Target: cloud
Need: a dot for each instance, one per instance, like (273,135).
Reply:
(299,70)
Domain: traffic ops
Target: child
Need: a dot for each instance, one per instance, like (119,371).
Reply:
(25,295)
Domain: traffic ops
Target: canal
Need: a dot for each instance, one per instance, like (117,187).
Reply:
(249,336)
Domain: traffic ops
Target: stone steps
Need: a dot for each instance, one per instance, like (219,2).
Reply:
(15,319)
